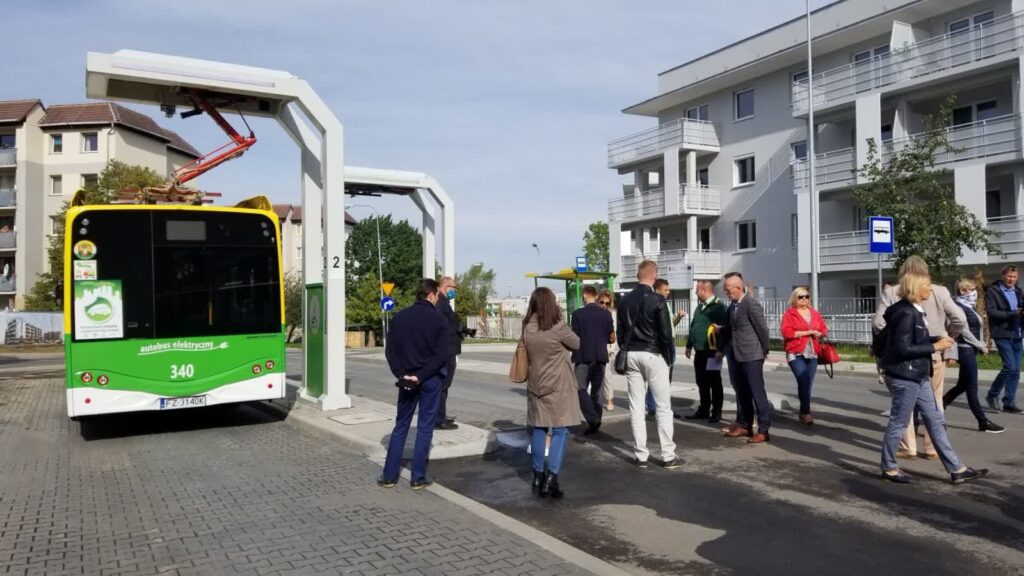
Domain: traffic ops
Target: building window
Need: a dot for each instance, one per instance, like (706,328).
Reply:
(6,141)
(704,239)
(90,180)
(960,26)
(54,226)
(743,171)
(90,142)
(56,185)
(698,113)
(702,176)
(886,132)
(744,104)
(746,235)
(56,143)
(800,76)
(975,112)
(800,150)
(986,110)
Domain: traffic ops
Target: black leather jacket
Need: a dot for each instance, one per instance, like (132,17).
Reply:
(908,350)
(645,313)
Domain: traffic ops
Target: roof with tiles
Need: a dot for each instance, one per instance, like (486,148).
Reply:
(15,111)
(109,114)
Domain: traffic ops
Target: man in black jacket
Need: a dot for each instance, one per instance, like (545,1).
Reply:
(645,336)
(1004,304)
(593,324)
(417,351)
(445,297)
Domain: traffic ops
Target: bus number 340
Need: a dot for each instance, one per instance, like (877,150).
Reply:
(182,371)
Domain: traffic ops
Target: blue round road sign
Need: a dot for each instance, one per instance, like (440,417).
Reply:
(387,303)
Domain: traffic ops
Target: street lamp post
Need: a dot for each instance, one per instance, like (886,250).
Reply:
(812,190)
(380,269)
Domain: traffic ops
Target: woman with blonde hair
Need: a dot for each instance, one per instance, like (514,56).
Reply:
(552,401)
(968,346)
(802,330)
(906,360)
(606,300)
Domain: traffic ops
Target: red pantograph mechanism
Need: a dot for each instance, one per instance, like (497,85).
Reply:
(238,145)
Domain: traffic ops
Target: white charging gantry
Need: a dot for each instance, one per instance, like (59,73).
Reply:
(167,81)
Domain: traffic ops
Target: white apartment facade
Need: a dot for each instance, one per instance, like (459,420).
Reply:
(290,218)
(46,155)
(721,183)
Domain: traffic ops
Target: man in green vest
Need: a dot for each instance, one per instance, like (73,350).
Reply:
(700,344)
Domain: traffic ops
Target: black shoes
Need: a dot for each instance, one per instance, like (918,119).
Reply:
(698,415)
(993,402)
(714,419)
(549,485)
(447,425)
(900,477)
(640,463)
(968,475)
(386,483)
(420,484)
(672,464)
(592,429)
(538,480)
(1012,409)
(991,427)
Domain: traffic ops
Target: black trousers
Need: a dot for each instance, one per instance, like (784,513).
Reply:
(442,402)
(591,404)
(709,383)
(751,395)
(967,382)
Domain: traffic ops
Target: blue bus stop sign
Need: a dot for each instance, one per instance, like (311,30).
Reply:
(387,303)
(581,264)
(882,235)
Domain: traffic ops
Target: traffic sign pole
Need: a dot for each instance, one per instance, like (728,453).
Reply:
(881,240)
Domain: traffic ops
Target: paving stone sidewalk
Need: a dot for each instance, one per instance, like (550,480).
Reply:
(223,490)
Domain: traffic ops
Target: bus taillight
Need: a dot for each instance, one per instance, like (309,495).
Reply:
(256,369)
(270,364)
(103,380)
(86,377)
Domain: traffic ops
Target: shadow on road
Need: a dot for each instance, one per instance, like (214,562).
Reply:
(108,426)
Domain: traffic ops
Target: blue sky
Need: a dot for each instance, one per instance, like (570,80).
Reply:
(510,105)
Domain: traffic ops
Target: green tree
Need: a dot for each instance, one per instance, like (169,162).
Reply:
(362,303)
(401,252)
(595,246)
(294,294)
(474,286)
(115,177)
(928,220)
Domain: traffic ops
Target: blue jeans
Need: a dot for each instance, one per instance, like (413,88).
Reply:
(1009,376)
(426,396)
(559,439)
(804,369)
(906,396)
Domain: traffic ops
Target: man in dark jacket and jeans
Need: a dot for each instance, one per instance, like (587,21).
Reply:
(417,351)
(445,297)
(1004,304)
(645,336)
(593,324)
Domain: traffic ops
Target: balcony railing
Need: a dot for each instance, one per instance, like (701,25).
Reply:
(842,249)
(8,197)
(8,156)
(838,168)
(1011,233)
(8,283)
(984,138)
(701,200)
(705,263)
(918,61)
(6,240)
(649,143)
(646,203)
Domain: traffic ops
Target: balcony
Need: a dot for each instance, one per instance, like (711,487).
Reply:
(7,241)
(8,157)
(847,251)
(831,170)
(8,197)
(691,134)
(706,264)
(696,200)
(1011,234)
(7,284)
(993,43)
(988,138)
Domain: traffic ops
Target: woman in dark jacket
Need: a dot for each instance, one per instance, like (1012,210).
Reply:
(968,346)
(907,365)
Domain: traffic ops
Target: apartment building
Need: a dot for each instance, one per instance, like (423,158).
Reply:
(290,218)
(48,153)
(721,183)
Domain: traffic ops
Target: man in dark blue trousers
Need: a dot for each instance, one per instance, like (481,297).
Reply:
(417,352)
(593,324)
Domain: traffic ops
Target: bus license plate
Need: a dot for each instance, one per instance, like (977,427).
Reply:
(188,402)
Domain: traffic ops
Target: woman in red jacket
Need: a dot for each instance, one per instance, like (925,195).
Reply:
(802,331)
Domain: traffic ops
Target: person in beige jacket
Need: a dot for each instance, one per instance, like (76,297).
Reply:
(944,318)
(552,402)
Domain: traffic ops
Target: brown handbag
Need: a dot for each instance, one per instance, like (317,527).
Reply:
(520,369)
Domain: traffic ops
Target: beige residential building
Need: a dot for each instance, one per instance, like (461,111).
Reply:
(46,154)
(290,217)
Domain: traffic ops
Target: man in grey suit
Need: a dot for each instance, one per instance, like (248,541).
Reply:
(746,344)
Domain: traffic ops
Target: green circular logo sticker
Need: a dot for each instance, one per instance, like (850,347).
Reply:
(100,311)
(85,250)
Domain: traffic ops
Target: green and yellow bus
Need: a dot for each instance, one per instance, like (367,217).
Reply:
(172,306)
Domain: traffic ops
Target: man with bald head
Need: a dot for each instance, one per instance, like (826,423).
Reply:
(745,337)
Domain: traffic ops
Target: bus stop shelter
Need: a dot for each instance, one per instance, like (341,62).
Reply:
(574,282)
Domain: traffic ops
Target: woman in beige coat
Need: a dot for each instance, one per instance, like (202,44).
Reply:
(551,398)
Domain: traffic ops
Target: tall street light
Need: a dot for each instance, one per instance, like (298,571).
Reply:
(380,268)
(813,190)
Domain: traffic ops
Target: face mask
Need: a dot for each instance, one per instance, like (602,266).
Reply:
(450,293)
(969,299)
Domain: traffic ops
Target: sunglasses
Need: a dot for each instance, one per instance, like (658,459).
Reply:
(605,303)
(804,297)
